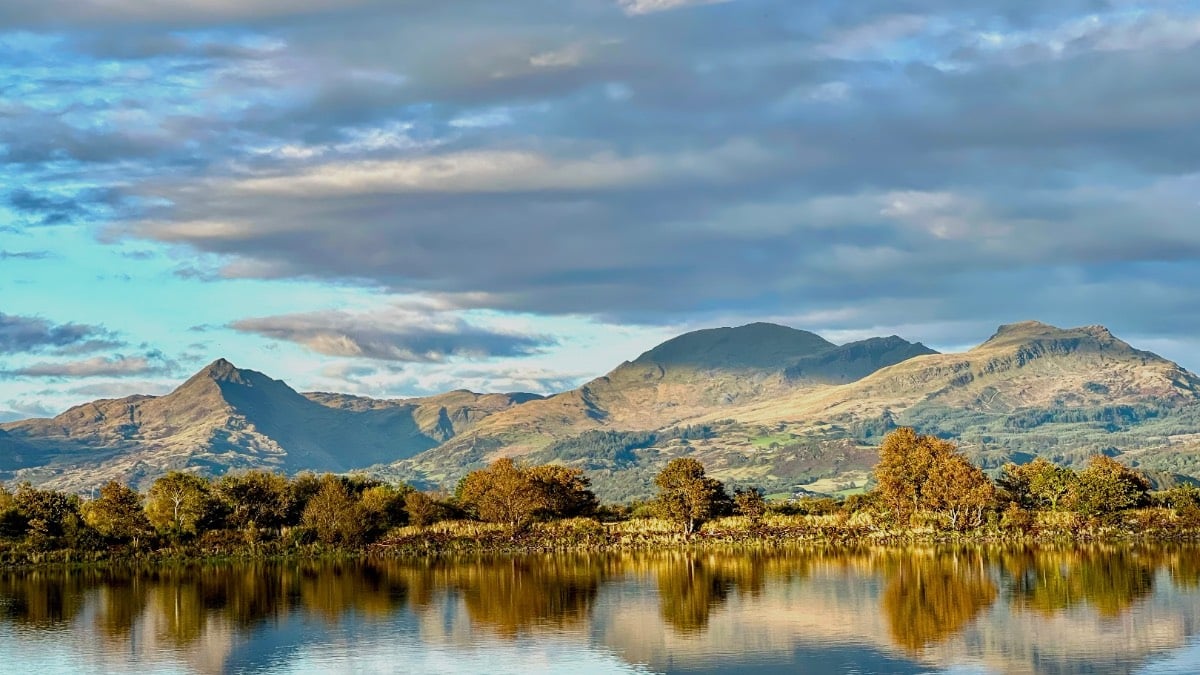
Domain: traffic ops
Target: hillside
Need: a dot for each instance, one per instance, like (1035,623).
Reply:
(760,405)
(702,373)
(224,418)
(1030,389)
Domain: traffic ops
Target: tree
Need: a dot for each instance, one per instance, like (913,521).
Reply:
(335,515)
(566,492)
(118,514)
(179,503)
(905,459)
(927,473)
(422,509)
(302,488)
(49,515)
(750,503)
(687,496)
(1040,484)
(502,493)
(1106,486)
(254,499)
(12,523)
(383,508)
(958,489)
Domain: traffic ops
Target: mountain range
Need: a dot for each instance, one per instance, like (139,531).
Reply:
(759,404)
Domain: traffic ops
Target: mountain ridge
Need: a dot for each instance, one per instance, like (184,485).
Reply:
(799,412)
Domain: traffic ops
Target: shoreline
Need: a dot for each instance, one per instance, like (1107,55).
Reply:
(585,535)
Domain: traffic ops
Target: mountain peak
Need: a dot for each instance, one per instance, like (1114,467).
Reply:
(219,375)
(220,369)
(752,346)
(1026,332)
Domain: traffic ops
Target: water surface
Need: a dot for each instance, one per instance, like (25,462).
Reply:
(1096,609)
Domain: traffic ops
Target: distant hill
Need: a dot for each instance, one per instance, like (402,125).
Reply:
(225,418)
(814,422)
(702,373)
(756,346)
(759,404)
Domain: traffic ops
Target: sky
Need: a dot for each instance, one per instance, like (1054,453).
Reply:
(399,197)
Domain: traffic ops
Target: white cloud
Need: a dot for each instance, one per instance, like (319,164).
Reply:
(635,7)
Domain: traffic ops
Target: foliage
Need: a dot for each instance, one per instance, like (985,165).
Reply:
(335,515)
(749,502)
(925,473)
(688,497)
(1107,486)
(254,499)
(501,493)
(179,503)
(959,489)
(12,523)
(118,515)
(422,509)
(1040,484)
(383,508)
(565,492)
(600,448)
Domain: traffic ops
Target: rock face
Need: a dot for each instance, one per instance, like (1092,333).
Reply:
(759,404)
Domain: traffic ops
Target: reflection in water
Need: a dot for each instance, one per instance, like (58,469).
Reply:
(1044,609)
(1108,579)
(932,595)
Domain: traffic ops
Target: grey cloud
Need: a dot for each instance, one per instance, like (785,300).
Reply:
(947,175)
(402,335)
(99,366)
(28,334)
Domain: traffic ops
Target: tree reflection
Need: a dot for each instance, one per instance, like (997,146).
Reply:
(43,598)
(689,590)
(179,612)
(333,589)
(122,599)
(931,597)
(1108,579)
(691,586)
(513,596)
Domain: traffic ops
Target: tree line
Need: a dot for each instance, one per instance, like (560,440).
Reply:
(920,481)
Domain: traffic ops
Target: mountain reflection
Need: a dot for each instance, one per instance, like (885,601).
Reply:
(1044,609)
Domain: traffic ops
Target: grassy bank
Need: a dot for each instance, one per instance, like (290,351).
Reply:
(585,534)
(644,534)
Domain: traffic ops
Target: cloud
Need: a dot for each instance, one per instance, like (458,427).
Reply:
(24,255)
(29,334)
(635,7)
(404,381)
(397,334)
(99,366)
(20,409)
(62,13)
(902,164)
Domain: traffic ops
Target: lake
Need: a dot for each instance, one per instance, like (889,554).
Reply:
(1072,609)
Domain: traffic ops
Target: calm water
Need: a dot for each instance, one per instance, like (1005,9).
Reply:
(1066,610)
